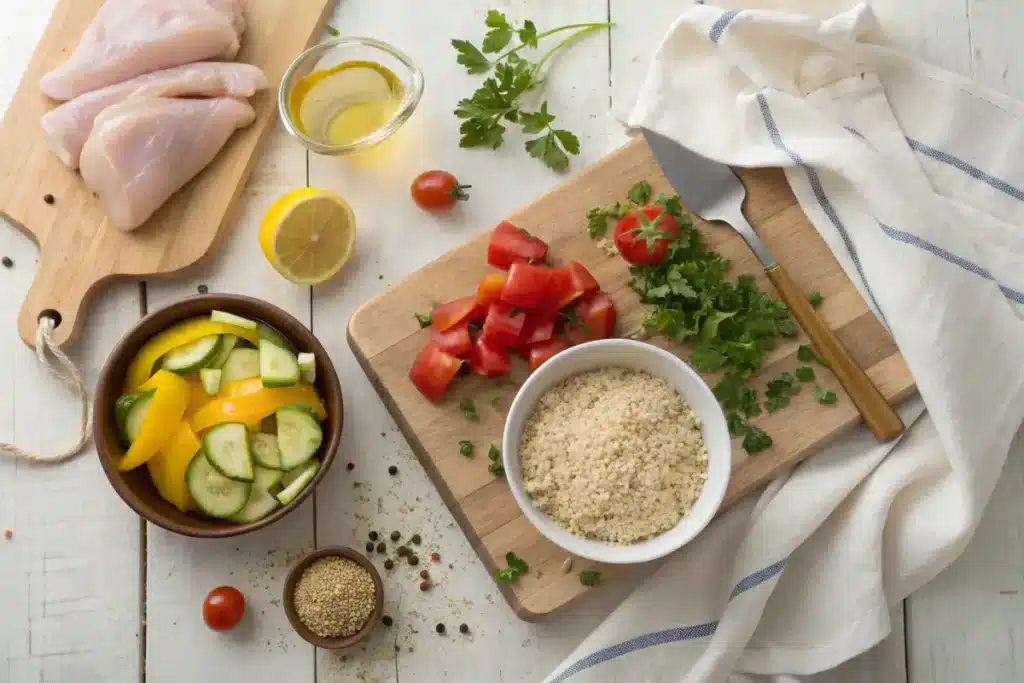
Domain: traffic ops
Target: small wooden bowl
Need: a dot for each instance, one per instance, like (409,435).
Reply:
(135,487)
(293,616)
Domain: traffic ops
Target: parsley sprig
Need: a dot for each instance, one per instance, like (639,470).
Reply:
(499,99)
(516,568)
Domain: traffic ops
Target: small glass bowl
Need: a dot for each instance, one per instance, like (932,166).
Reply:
(335,51)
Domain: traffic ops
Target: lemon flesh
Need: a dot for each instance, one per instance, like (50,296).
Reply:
(307,235)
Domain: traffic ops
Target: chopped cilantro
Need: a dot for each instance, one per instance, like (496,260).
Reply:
(466,448)
(423,319)
(824,396)
(815,298)
(468,408)
(590,577)
(805,373)
(516,568)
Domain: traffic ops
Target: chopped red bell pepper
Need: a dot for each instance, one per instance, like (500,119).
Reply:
(489,289)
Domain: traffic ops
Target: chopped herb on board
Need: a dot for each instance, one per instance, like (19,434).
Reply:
(423,319)
(778,391)
(824,396)
(468,408)
(805,373)
(590,577)
(805,354)
(466,448)
(815,299)
(331,31)
(516,568)
(495,467)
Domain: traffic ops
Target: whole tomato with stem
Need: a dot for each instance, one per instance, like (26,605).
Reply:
(223,608)
(437,190)
(643,235)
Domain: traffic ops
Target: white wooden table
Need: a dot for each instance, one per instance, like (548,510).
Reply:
(88,593)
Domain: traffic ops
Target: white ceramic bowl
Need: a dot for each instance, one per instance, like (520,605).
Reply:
(660,363)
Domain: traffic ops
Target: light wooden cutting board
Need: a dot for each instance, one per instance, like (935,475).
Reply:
(386,337)
(78,247)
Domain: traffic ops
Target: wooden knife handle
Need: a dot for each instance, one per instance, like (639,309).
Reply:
(881,418)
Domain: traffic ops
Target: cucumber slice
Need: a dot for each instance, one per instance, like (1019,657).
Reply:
(278,367)
(307,364)
(232,319)
(228,342)
(241,364)
(298,436)
(129,410)
(261,503)
(273,336)
(192,356)
(210,378)
(227,448)
(298,481)
(214,494)
(265,451)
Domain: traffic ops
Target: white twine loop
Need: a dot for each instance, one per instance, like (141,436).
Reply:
(67,373)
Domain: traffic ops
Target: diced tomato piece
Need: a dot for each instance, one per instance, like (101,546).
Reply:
(489,290)
(538,328)
(545,350)
(489,362)
(557,292)
(525,285)
(502,326)
(510,244)
(583,283)
(433,370)
(592,318)
(452,313)
(455,340)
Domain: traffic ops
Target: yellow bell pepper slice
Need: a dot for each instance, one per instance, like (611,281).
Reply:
(173,337)
(165,413)
(253,407)
(167,468)
(241,387)
(197,397)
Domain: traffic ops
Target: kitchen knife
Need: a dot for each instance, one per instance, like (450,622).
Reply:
(712,191)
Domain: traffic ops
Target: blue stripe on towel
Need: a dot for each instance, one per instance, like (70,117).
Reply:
(671,635)
(973,171)
(718,28)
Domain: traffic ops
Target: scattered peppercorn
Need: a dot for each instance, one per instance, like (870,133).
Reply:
(350,466)
(424,574)
(402,551)
(393,470)
(435,557)
(48,198)
(381,547)
(369,546)
(8,263)
(374,535)
(395,535)
(416,539)
(203,289)
(439,628)
(386,620)
(424,585)
(413,560)
(389,564)
(463,628)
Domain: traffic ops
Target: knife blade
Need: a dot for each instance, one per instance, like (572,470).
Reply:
(711,190)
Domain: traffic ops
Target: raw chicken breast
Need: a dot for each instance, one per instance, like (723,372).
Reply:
(67,127)
(132,37)
(144,149)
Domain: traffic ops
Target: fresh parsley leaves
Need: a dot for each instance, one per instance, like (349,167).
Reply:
(495,467)
(498,100)
(825,396)
(590,577)
(805,373)
(466,448)
(331,31)
(805,354)
(423,319)
(778,391)
(468,408)
(516,568)
(815,299)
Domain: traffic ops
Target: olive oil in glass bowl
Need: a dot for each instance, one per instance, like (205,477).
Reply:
(348,94)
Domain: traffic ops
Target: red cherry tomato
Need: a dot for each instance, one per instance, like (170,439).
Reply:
(452,313)
(489,362)
(510,244)
(592,318)
(545,350)
(525,285)
(638,235)
(437,191)
(433,370)
(502,326)
(223,608)
(455,340)
(489,289)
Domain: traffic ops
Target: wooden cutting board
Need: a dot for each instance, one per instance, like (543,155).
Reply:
(78,247)
(386,337)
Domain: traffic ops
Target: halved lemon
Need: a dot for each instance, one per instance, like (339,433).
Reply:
(308,235)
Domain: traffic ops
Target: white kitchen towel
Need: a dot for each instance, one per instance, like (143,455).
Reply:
(915,179)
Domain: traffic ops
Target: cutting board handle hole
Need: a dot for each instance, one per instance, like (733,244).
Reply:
(53,315)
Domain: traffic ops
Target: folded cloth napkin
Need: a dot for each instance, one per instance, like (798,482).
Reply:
(914,177)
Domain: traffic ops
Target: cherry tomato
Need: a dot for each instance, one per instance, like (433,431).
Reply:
(510,244)
(642,236)
(433,370)
(437,191)
(592,318)
(223,608)
(545,350)
(455,340)
(489,289)
(502,326)
(525,285)
(489,362)
(452,313)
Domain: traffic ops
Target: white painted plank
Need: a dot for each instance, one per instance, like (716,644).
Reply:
(182,570)
(73,561)
(394,239)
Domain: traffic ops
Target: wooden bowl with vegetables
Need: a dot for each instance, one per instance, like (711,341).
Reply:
(217,415)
